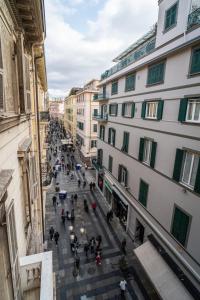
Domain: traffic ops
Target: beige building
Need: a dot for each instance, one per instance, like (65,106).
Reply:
(87,111)
(70,113)
(22,93)
(56,108)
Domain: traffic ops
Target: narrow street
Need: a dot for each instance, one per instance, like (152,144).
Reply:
(92,281)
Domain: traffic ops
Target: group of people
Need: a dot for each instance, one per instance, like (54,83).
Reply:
(54,234)
(92,186)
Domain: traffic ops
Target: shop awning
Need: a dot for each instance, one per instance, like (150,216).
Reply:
(162,277)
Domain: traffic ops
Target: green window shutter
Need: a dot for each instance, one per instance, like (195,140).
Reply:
(126,178)
(180,225)
(195,64)
(109,135)
(114,137)
(109,109)
(116,109)
(125,142)
(182,109)
(119,173)
(178,164)
(110,162)
(197,181)
(143,192)
(123,108)
(133,110)
(153,154)
(160,110)
(103,129)
(143,110)
(141,150)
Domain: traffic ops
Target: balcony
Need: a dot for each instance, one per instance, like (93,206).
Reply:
(37,279)
(100,97)
(100,118)
(194,19)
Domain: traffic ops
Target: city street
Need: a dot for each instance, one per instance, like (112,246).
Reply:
(92,281)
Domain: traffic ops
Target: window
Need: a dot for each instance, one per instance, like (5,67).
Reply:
(100,157)
(152,110)
(128,109)
(125,142)
(130,83)
(122,175)
(147,152)
(193,111)
(114,88)
(27,76)
(1,80)
(111,136)
(143,192)
(95,112)
(180,226)
(156,74)
(110,163)
(102,132)
(93,143)
(195,61)
(187,169)
(113,108)
(171,16)
(80,125)
(94,127)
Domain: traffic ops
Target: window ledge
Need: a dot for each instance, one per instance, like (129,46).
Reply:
(153,84)
(151,119)
(193,75)
(169,28)
(190,123)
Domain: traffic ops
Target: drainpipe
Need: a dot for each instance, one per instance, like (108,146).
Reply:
(39,143)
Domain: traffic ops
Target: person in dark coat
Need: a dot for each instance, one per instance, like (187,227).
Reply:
(86,249)
(123,245)
(90,186)
(56,237)
(51,232)
(92,244)
(54,198)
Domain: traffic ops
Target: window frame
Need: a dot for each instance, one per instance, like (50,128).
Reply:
(114,82)
(153,65)
(193,111)
(116,105)
(95,126)
(110,163)
(128,76)
(126,103)
(148,103)
(173,25)
(186,151)
(149,141)
(190,65)
(102,132)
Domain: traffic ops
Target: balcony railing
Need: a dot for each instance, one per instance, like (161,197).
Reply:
(101,118)
(142,51)
(194,18)
(99,97)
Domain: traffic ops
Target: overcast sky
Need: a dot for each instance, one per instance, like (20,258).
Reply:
(83,36)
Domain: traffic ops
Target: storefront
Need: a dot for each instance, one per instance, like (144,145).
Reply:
(108,192)
(120,209)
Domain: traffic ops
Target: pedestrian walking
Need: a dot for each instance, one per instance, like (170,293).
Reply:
(123,245)
(94,206)
(56,237)
(91,186)
(63,216)
(86,249)
(51,232)
(98,259)
(92,244)
(99,240)
(122,286)
(54,199)
(72,214)
(77,262)
(84,183)
(79,182)
(75,197)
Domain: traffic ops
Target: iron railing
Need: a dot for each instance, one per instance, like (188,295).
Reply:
(194,18)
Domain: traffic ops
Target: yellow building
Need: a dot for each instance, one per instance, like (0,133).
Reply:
(70,113)
(22,91)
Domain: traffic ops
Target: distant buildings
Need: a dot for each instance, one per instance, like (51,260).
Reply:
(87,112)
(148,162)
(23,105)
(56,108)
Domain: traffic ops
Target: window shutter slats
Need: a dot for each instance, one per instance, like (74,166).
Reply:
(197,181)
(143,110)
(143,192)
(141,150)
(160,110)
(119,173)
(182,110)
(114,137)
(109,135)
(123,108)
(178,164)
(133,110)
(153,154)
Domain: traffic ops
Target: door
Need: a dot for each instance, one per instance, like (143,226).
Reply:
(139,232)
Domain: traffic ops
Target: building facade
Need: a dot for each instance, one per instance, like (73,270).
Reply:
(148,162)
(70,113)
(87,114)
(22,88)
(56,108)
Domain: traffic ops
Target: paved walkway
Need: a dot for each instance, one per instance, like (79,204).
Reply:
(92,281)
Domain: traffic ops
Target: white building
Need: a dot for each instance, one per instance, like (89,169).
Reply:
(87,113)
(148,163)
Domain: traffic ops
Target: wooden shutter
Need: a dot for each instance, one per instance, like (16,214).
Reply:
(116,109)
(109,135)
(1,93)
(110,161)
(143,193)
(119,172)
(123,108)
(110,109)
(195,65)
(133,110)
(197,181)
(182,110)
(153,154)
(141,150)
(126,178)
(160,110)
(143,110)
(178,164)
(114,136)
(180,225)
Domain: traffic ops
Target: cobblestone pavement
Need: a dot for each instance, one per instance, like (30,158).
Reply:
(92,281)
